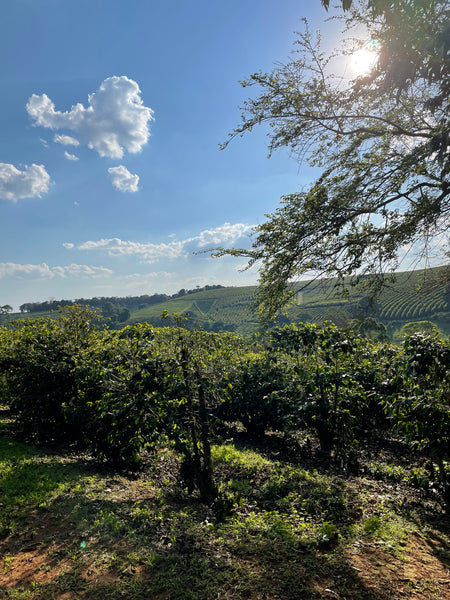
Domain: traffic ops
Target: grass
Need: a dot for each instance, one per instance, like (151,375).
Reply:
(291,530)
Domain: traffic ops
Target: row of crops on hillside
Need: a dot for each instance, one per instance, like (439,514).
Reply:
(395,304)
(121,393)
(404,305)
(227,309)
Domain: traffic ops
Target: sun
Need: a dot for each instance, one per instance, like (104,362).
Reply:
(364,59)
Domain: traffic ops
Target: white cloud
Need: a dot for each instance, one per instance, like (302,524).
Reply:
(148,252)
(43,271)
(68,245)
(224,234)
(65,140)
(43,142)
(84,271)
(115,119)
(242,267)
(70,156)
(30,183)
(18,270)
(123,180)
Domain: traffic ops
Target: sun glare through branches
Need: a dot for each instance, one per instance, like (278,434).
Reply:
(364,59)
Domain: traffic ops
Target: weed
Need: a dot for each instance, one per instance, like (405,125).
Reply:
(274,487)
(287,531)
(386,471)
(247,459)
(19,594)
(372,524)
(108,521)
(418,478)
(7,562)
(328,535)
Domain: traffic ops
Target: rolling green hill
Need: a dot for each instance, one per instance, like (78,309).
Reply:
(226,308)
(412,296)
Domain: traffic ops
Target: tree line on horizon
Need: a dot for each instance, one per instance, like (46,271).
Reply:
(109,304)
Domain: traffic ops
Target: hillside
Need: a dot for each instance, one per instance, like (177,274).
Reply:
(226,308)
(412,296)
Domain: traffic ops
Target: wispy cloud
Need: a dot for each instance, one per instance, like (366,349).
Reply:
(227,233)
(15,184)
(148,252)
(148,279)
(70,156)
(152,276)
(65,140)
(115,119)
(164,282)
(123,180)
(83,271)
(43,271)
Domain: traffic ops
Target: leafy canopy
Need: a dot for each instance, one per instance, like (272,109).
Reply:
(381,141)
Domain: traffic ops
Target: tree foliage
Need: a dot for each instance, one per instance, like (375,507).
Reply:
(381,141)
(416,44)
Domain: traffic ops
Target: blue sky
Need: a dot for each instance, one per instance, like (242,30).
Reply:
(111,116)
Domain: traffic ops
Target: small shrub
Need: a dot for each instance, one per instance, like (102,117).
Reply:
(328,534)
(372,524)
(386,472)
(417,478)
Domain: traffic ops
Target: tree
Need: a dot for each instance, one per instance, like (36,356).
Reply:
(4,310)
(410,52)
(373,330)
(417,327)
(123,315)
(381,141)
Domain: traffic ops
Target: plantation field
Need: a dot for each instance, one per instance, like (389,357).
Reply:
(72,530)
(230,307)
(412,296)
(167,463)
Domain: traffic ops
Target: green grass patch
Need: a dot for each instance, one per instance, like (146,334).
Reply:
(30,479)
(289,532)
(249,460)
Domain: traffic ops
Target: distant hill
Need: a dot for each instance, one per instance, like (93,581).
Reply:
(222,309)
(413,296)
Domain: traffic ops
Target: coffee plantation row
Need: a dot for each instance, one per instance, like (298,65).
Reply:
(120,394)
